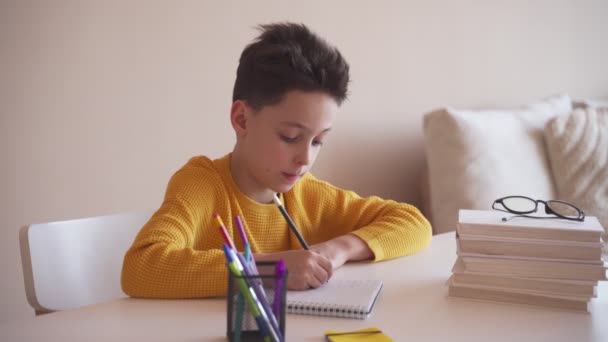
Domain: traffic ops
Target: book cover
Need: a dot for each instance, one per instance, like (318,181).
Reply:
(529,248)
(490,223)
(576,288)
(519,297)
(523,258)
(532,269)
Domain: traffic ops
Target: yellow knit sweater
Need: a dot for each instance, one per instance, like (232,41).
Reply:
(178,253)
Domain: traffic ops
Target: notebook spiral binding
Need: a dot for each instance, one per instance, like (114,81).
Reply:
(322,309)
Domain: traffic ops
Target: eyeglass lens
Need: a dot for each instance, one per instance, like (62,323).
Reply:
(519,204)
(563,209)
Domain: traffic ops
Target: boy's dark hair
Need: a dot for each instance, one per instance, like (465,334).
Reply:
(288,56)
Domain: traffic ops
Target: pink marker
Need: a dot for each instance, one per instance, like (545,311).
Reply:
(224,232)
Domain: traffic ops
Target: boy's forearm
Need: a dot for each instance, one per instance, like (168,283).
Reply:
(342,249)
(353,247)
(401,230)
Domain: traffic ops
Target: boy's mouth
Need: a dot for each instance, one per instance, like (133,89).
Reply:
(290,177)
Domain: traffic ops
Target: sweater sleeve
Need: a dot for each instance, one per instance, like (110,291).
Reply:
(390,229)
(164,260)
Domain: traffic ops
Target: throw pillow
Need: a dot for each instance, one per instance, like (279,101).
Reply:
(477,156)
(578,151)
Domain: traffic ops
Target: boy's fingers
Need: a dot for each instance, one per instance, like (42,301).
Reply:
(314,282)
(326,265)
(322,275)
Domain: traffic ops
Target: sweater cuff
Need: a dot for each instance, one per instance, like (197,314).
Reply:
(371,241)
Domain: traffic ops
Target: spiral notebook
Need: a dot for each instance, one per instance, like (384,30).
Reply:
(338,298)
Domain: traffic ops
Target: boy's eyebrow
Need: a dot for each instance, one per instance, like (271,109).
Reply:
(299,125)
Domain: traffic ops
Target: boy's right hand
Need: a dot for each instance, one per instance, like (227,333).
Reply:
(307,269)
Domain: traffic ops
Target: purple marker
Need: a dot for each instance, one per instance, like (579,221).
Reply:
(247,246)
(279,273)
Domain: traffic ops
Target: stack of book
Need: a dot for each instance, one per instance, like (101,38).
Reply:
(543,262)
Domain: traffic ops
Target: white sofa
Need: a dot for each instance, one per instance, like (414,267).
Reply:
(552,149)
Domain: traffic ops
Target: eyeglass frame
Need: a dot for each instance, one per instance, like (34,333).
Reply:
(548,210)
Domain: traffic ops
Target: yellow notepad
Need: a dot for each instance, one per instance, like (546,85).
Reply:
(368,334)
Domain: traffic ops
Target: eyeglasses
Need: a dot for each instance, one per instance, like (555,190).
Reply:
(524,206)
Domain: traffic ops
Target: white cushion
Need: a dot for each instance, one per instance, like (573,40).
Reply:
(477,156)
(578,150)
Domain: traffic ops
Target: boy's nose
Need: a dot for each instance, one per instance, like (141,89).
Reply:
(304,155)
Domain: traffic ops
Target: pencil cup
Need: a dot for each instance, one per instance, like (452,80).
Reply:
(243,321)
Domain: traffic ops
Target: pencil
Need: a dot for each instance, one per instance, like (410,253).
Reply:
(292,225)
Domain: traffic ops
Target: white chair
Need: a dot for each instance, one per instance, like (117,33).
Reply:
(73,263)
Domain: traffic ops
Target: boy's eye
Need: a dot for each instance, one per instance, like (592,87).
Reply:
(292,140)
(288,139)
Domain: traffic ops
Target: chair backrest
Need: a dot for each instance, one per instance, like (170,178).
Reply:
(73,263)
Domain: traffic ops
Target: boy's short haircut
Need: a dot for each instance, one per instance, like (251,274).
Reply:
(285,57)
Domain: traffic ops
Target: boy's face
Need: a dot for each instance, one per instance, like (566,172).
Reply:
(281,142)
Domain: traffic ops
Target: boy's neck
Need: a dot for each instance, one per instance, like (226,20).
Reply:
(245,182)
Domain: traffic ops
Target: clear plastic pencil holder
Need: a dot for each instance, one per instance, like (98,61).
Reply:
(242,324)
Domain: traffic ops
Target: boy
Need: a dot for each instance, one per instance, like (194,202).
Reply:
(288,88)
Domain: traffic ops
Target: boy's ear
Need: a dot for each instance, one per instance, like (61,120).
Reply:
(238,117)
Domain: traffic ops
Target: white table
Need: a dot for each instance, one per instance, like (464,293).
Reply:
(413,306)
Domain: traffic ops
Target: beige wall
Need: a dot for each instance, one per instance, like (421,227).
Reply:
(101,101)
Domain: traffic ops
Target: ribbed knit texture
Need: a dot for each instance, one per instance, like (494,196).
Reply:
(577,145)
(177,254)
